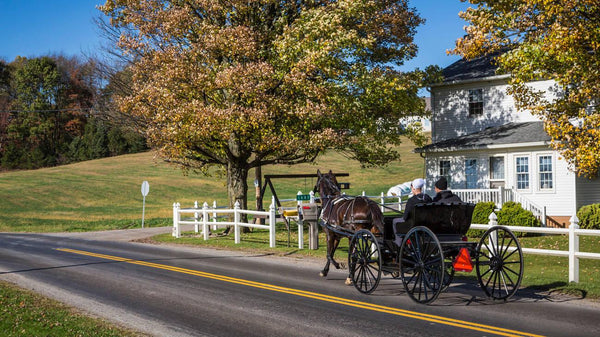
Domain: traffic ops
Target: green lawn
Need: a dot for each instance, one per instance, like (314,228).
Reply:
(106,193)
(25,313)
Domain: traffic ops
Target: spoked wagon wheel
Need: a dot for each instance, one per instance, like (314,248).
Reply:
(364,261)
(448,274)
(422,265)
(499,263)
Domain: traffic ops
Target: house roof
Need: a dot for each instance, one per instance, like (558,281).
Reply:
(479,67)
(499,136)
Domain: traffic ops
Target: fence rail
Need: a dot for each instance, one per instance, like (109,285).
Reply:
(206,217)
(574,232)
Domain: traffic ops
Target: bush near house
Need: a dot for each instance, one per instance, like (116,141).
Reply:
(589,216)
(511,214)
(481,215)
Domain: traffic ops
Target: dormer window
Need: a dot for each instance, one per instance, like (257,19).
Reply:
(475,102)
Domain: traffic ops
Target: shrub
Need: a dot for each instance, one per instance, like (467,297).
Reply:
(512,214)
(481,216)
(589,216)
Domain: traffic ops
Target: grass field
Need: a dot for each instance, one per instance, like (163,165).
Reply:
(106,193)
(25,313)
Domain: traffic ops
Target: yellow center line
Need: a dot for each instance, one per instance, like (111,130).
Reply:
(321,297)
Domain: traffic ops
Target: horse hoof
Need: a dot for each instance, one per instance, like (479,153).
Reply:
(322,274)
(348,281)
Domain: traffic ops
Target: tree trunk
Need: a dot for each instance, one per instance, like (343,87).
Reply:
(237,184)
(258,188)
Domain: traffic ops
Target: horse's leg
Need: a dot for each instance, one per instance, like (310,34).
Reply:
(325,270)
(336,242)
(349,278)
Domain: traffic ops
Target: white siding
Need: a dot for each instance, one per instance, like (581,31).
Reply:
(451,119)
(559,200)
(588,191)
(451,114)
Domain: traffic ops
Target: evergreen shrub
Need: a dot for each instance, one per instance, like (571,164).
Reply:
(512,214)
(589,216)
(481,216)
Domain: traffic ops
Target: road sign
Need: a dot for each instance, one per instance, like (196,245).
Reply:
(145,188)
(302,197)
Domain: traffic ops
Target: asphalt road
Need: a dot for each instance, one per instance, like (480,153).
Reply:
(183,291)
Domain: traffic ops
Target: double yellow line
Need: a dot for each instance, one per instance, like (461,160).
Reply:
(316,296)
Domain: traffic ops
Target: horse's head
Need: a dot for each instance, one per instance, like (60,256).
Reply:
(327,184)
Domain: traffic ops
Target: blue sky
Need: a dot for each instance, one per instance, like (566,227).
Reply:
(39,27)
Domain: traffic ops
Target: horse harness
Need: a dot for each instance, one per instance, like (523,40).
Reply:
(331,219)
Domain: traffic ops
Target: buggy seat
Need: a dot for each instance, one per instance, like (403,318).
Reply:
(441,218)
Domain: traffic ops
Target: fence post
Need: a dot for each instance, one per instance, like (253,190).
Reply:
(544,224)
(573,248)
(272,223)
(493,236)
(299,223)
(205,220)
(382,202)
(176,231)
(196,216)
(501,199)
(236,220)
(214,215)
(312,197)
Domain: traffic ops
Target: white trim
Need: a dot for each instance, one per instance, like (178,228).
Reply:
(529,167)
(471,80)
(486,147)
(505,168)
(537,170)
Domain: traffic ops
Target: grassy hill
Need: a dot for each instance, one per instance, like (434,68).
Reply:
(105,193)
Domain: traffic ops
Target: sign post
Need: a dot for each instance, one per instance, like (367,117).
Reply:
(145,190)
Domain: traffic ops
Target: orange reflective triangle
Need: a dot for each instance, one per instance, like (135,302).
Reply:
(462,262)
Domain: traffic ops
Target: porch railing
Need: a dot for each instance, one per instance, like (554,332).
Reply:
(500,196)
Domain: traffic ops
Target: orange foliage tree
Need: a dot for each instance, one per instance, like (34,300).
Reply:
(239,84)
(541,39)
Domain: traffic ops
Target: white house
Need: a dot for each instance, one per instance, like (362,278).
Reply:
(481,141)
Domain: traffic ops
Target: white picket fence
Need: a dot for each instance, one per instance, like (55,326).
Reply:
(574,232)
(206,217)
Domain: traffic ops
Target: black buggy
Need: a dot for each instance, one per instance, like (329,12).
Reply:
(427,250)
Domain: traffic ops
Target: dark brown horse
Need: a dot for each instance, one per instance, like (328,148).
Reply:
(341,215)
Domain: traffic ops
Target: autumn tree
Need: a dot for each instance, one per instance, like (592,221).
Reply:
(240,84)
(540,39)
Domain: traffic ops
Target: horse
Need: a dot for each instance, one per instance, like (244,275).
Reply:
(346,212)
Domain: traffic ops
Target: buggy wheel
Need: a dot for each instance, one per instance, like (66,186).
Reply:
(499,263)
(448,274)
(422,265)
(364,261)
